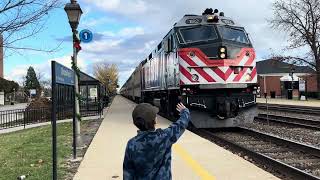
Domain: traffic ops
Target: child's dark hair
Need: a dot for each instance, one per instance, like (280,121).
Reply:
(143,125)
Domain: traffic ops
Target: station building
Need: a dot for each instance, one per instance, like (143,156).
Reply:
(282,80)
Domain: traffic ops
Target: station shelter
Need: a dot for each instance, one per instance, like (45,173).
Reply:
(93,93)
(278,79)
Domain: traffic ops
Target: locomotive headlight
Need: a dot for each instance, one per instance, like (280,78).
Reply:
(222,49)
(195,77)
(210,18)
(248,77)
(223,52)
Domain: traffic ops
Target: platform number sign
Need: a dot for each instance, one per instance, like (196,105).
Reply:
(86,36)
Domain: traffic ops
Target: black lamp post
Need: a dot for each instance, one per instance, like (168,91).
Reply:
(292,78)
(74,13)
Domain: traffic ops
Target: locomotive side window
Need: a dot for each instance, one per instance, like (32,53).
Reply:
(198,33)
(173,42)
(169,44)
(159,46)
(233,34)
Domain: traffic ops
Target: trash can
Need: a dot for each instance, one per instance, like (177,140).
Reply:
(273,94)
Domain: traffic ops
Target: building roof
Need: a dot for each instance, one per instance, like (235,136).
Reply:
(85,78)
(271,66)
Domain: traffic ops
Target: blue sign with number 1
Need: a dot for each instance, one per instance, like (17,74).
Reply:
(86,36)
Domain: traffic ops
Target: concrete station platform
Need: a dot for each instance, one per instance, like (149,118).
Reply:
(193,158)
(312,102)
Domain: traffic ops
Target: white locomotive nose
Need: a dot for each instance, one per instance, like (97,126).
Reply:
(206,61)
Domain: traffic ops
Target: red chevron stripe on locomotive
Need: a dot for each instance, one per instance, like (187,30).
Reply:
(194,61)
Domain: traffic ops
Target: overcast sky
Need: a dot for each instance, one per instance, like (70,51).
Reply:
(126,31)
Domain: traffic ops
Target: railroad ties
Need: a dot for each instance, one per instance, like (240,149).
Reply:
(284,140)
(291,158)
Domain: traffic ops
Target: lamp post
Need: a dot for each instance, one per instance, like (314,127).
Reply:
(292,79)
(14,94)
(74,13)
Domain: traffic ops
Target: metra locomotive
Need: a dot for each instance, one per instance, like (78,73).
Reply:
(208,63)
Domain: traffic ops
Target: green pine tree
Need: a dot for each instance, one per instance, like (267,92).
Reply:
(8,86)
(32,81)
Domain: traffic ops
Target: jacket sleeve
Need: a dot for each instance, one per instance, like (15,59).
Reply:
(177,128)
(128,168)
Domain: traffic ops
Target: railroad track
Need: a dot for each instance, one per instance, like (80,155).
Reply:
(291,108)
(298,122)
(288,157)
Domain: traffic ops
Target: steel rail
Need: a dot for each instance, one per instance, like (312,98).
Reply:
(308,124)
(291,108)
(265,159)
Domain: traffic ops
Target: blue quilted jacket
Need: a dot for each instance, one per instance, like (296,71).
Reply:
(148,155)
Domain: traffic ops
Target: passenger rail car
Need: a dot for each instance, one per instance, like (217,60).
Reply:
(206,61)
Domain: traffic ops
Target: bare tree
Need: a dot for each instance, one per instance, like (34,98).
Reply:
(21,19)
(301,20)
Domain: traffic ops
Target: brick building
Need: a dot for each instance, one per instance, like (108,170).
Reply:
(1,56)
(275,79)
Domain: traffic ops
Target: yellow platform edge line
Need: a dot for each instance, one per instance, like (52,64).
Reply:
(195,166)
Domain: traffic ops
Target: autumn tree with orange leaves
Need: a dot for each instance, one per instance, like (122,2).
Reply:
(108,75)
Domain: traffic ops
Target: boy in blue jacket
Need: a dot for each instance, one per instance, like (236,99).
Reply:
(148,155)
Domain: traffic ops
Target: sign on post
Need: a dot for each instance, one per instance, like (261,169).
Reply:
(1,98)
(86,36)
(302,85)
(33,92)
(93,93)
(61,75)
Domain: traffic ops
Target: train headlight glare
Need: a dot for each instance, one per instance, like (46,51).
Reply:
(222,55)
(248,77)
(210,18)
(222,50)
(195,77)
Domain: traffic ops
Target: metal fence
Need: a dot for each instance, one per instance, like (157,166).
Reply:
(24,117)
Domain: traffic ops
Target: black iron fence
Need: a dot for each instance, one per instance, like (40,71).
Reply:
(24,117)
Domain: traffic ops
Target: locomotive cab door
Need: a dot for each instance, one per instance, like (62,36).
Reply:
(172,71)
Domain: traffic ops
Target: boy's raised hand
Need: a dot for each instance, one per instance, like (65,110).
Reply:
(180,107)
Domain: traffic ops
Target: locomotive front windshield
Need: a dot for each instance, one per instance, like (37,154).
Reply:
(233,34)
(199,33)
(206,33)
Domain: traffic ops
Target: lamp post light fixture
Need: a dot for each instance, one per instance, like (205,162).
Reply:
(74,13)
